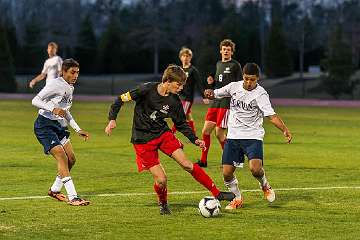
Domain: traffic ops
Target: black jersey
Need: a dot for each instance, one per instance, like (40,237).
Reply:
(150,112)
(226,72)
(193,80)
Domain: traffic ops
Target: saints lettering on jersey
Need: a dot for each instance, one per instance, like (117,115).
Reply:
(165,109)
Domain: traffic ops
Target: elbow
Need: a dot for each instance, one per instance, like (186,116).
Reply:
(33,102)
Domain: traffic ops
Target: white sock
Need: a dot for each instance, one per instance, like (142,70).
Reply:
(57,185)
(70,188)
(232,185)
(262,180)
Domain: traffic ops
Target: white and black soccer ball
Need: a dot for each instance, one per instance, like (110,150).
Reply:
(209,207)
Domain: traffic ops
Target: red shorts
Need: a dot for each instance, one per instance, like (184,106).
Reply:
(218,116)
(147,154)
(186,106)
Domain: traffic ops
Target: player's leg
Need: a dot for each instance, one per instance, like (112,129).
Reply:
(200,175)
(70,154)
(221,125)
(59,154)
(160,187)
(254,152)
(209,126)
(232,157)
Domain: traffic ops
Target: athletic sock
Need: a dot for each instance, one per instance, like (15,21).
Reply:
(173,129)
(70,188)
(204,153)
(200,175)
(263,181)
(57,185)
(232,185)
(192,125)
(161,193)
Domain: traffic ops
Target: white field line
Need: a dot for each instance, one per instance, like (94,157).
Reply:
(180,193)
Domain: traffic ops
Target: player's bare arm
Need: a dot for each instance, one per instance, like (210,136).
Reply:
(60,112)
(38,78)
(278,122)
(111,125)
(84,134)
(209,93)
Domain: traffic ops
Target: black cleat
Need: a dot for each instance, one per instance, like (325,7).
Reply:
(228,196)
(164,209)
(201,164)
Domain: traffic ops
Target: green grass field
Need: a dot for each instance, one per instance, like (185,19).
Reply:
(324,154)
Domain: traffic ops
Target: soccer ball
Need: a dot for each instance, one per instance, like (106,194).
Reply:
(209,207)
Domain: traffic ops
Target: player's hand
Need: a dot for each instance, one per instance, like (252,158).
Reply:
(32,83)
(209,93)
(210,80)
(85,135)
(201,144)
(111,125)
(60,112)
(206,101)
(288,135)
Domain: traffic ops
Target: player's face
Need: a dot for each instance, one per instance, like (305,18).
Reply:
(226,53)
(175,87)
(185,59)
(250,81)
(71,75)
(51,51)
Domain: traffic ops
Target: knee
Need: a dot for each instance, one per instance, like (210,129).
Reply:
(220,135)
(161,181)
(256,171)
(188,166)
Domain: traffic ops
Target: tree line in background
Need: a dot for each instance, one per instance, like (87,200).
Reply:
(143,36)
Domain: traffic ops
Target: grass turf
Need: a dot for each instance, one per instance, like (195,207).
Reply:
(324,153)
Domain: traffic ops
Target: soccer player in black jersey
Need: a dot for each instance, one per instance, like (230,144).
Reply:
(150,132)
(193,80)
(227,70)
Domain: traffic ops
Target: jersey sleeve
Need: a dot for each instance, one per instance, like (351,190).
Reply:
(69,118)
(60,61)
(132,95)
(40,100)
(179,119)
(264,104)
(223,92)
(239,74)
(45,68)
(201,85)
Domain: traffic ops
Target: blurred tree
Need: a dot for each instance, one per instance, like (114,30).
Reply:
(278,62)
(338,65)
(7,71)
(86,47)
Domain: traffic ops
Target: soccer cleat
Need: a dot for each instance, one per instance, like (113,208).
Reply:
(269,193)
(201,164)
(78,202)
(235,203)
(57,195)
(164,209)
(228,196)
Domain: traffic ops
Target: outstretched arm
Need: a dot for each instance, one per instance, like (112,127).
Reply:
(82,133)
(113,112)
(37,79)
(278,122)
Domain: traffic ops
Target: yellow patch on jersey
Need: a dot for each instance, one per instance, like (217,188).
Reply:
(125,97)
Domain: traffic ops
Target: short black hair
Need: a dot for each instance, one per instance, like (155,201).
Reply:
(69,63)
(251,69)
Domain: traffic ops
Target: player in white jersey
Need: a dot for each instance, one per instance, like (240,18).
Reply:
(52,66)
(249,105)
(54,102)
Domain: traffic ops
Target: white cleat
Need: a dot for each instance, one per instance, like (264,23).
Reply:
(269,193)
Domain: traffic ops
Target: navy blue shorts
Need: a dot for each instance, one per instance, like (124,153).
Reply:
(235,149)
(50,133)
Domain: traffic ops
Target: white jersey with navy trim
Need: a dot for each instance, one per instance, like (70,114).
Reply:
(52,67)
(57,93)
(247,110)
